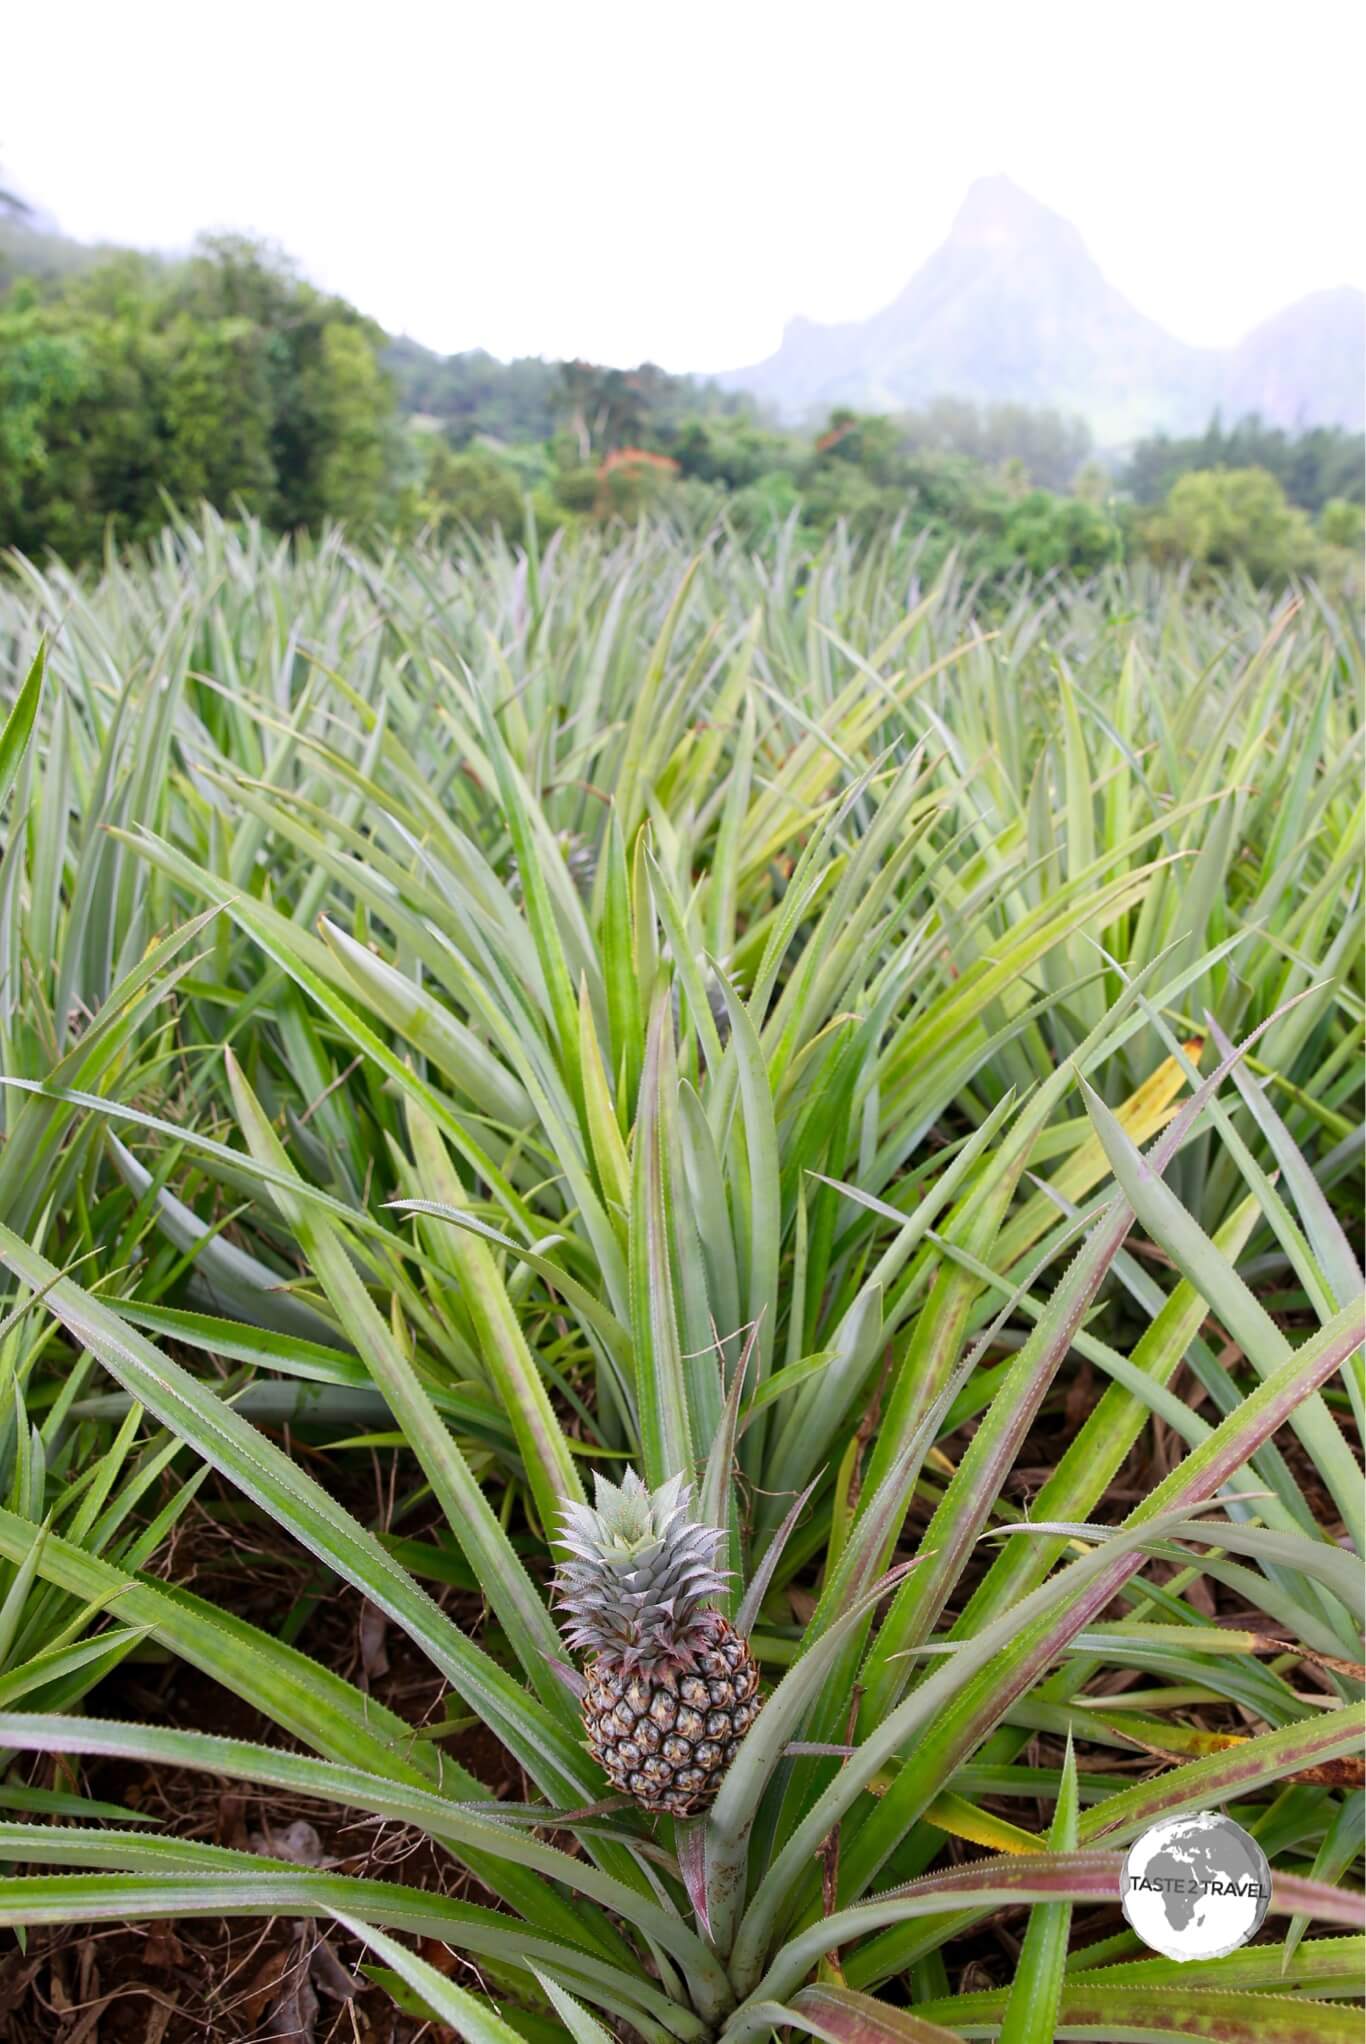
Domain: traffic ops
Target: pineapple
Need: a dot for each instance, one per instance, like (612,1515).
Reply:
(671,1685)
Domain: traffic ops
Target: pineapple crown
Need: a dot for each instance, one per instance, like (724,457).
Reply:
(641,1574)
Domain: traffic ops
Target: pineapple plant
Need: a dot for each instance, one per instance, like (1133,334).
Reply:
(581,862)
(672,1687)
(608,1235)
(580,858)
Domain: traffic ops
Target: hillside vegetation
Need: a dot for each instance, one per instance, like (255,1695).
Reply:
(475,1016)
(131,386)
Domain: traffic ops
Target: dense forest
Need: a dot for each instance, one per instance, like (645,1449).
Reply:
(129,383)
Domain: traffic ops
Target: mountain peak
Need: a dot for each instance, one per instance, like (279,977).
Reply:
(1013,308)
(996,210)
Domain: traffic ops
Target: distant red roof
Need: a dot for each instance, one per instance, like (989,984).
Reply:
(834,436)
(638,457)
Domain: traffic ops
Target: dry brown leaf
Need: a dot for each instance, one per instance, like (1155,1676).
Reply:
(158,2022)
(232,1822)
(162,1949)
(86,2028)
(264,1985)
(329,1975)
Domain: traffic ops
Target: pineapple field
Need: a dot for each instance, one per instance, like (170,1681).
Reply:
(680,1296)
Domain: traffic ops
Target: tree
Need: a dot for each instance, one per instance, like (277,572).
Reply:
(1049,533)
(1341,524)
(351,405)
(1311,467)
(1222,518)
(226,378)
(872,443)
(632,480)
(469,489)
(216,414)
(1049,446)
(43,376)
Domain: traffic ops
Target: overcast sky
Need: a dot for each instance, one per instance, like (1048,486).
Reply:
(673,181)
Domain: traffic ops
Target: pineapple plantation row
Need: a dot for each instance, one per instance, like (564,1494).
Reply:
(815,1122)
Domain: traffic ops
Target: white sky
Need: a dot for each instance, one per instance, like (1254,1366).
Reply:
(623,181)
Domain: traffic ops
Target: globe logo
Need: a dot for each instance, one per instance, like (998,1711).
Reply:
(1196,1887)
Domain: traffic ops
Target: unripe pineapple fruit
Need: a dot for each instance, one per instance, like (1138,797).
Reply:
(671,1685)
(579,856)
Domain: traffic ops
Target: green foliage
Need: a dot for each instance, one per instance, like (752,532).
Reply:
(127,383)
(732,452)
(635,482)
(472,393)
(1224,518)
(226,379)
(1049,533)
(757,509)
(1050,447)
(473,489)
(1311,467)
(28,254)
(347,396)
(577,487)
(1341,523)
(216,412)
(718,1010)
(41,372)
(874,1172)
(599,409)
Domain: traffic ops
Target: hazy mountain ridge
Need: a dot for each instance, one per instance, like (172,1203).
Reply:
(1012,307)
